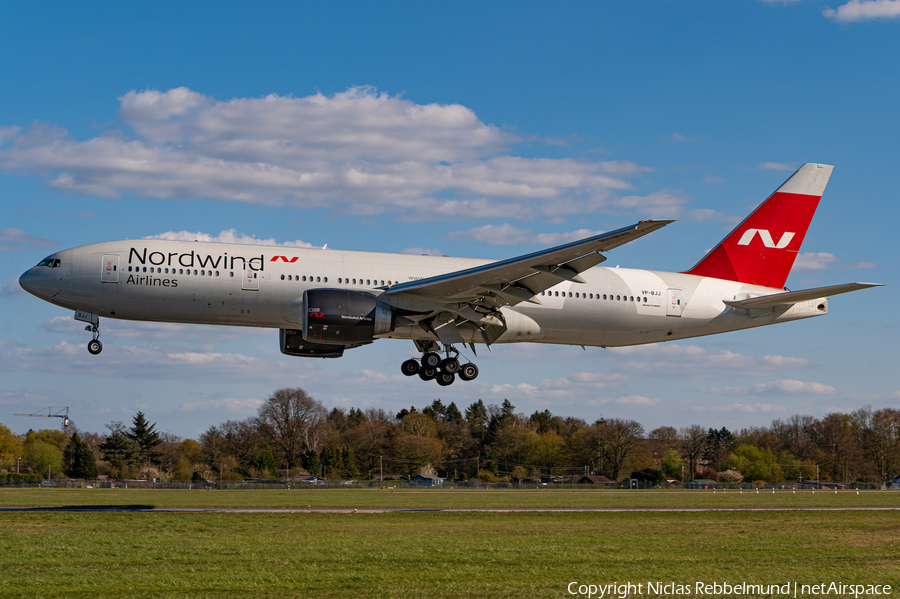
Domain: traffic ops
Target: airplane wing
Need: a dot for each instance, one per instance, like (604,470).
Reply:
(766,302)
(475,295)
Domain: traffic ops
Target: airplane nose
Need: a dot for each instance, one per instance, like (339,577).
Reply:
(26,281)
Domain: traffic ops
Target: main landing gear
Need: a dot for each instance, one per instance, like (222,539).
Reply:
(432,367)
(94,345)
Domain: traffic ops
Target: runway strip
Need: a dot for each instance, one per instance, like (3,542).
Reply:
(176,510)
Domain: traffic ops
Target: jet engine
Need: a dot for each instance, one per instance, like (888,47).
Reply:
(293,344)
(344,317)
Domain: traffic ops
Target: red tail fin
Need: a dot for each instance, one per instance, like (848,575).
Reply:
(762,249)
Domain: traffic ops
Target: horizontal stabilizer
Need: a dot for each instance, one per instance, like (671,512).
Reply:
(766,302)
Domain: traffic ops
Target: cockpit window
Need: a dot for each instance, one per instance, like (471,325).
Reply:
(51,262)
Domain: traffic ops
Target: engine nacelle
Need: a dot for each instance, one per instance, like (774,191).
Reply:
(344,317)
(293,344)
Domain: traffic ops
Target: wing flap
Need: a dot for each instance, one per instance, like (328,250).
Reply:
(774,300)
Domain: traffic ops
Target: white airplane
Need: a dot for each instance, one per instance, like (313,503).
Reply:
(326,301)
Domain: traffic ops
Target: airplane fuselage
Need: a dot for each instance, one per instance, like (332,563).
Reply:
(263,286)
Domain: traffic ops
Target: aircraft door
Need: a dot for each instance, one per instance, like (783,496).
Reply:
(674,305)
(250,281)
(109,269)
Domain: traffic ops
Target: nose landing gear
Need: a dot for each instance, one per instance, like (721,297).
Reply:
(433,367)
(94,345)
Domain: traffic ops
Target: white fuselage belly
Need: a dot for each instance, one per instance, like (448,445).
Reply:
(151,284)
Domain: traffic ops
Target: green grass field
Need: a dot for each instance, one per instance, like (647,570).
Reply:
(430,554)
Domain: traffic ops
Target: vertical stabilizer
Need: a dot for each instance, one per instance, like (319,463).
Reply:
(762,249)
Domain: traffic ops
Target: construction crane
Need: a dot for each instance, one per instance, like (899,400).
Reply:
(54,413)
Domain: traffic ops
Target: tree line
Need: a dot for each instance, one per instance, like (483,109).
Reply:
(294,434)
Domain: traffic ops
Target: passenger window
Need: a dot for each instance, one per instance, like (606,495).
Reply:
(556,293)
(129,268)
(619,297)
(318,279)
(231,274)
(282,277)
(325,280)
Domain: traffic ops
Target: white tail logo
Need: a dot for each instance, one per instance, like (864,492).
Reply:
(766,238)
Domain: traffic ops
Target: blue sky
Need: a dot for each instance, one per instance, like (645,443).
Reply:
(465,129)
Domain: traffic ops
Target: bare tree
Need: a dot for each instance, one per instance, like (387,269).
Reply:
(661,440)
(294,421)
(883,442)
(617,440)
(240,437)
(693,444)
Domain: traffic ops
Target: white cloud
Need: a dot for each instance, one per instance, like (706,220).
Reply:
(814,260)
(666,203)
(864,10)
(694,362)
(507,234)
(636,400)
(238,406)
(10,397)
(229,236)
(794,387)
(777,166)
(514,390)
(17,240)
(785,361)
(725,390)
(749,408)
(624,400)
(10,288)
(167,332)
(359,151)
(422,252)
(148,362)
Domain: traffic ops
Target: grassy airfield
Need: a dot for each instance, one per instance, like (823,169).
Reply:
(433,554)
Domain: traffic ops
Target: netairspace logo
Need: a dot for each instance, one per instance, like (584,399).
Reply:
(623,590)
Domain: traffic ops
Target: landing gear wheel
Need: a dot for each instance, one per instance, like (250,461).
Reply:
(445,378)
(468,372)
(426,374)
(410,367)
(431,360)
(95,347)
(450,365)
